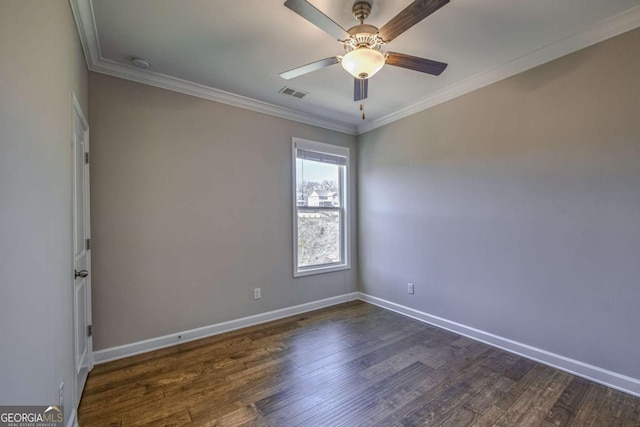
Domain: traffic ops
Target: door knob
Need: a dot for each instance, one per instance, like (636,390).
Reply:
(81,273)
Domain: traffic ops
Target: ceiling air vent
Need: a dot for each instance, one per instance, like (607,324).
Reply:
(293,92)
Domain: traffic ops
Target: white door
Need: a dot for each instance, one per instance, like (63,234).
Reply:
(81,253)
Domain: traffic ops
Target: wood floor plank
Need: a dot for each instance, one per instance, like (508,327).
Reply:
(489,417)
(589,412)
(323,380)
(564,410)
(243,416)
(463,417)
(344,407)
(534,403)
(440,381)
(368,356)
(308,405)
(520,386)
(445,403)
(480,409)
(395,363)
(629,407)
(352,364)
(491,395)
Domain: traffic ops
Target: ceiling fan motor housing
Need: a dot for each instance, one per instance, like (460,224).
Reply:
(362,35)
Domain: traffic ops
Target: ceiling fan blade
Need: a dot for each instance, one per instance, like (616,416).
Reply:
(314,66)
(411,15)
(360,89)
(414,63)
(317,18)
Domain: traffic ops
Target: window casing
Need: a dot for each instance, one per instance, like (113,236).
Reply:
(320,208)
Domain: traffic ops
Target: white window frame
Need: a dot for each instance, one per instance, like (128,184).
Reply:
(345,204)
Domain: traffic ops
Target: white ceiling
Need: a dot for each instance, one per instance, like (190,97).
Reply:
(240,46)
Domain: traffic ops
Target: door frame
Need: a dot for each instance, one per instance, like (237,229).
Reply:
(76,109)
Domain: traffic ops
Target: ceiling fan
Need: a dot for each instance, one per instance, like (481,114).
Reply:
(362,43)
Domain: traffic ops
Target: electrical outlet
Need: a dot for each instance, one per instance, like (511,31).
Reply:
(61,394)
(410,288)
(257,294)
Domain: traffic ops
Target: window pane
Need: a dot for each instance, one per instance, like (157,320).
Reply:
(318,236)
(321,174)
(317,184)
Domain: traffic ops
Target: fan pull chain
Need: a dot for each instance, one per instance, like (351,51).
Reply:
(362,100)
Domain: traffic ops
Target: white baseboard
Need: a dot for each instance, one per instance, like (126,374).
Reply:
(139,347)
(593,373)
(73,420)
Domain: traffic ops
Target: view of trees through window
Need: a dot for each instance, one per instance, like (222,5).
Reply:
(318,201)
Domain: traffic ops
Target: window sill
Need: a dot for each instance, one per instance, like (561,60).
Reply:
(320,270)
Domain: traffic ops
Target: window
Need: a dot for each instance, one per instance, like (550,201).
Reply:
(321,215)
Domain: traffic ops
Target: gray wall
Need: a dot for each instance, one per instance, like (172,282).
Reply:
(42,65)
(191,210)
(515,209)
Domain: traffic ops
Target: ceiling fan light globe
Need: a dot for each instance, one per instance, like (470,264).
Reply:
(363,61)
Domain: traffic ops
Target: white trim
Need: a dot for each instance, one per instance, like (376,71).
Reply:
(87,30)
(321,147)
(593,373)
(345,195)
(73,420)
(87,359)
(85,21)
(139,347)
(597,33)
(106,66)
(78,109)
(324,268)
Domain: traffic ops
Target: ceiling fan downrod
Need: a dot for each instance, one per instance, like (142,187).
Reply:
(361,10)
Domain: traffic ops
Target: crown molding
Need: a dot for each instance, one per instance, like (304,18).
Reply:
(85,21)
(596,33)
(87,30)
(109,67)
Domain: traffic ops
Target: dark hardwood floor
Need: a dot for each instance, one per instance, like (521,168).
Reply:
(353,364)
